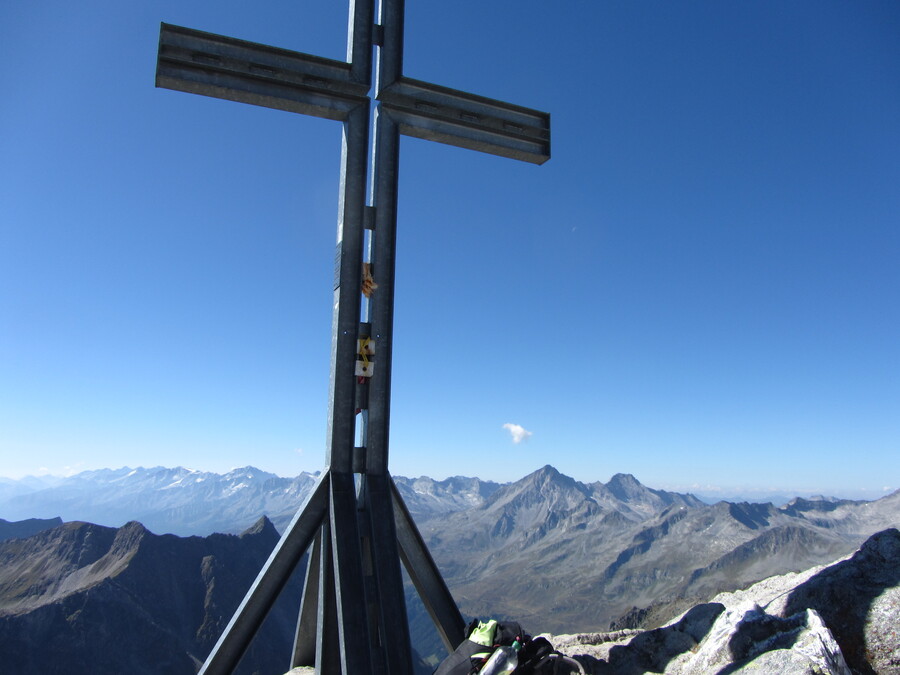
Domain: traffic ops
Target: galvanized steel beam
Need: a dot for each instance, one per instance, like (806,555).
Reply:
(393,638)
(222,67)
(328,648)
(426,578)
(453,117)
(304,652)
(349,589)
(353,591)
(271,579)
(348,278)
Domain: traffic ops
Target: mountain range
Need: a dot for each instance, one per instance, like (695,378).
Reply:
(189,502)
(80,599)
(174,501)
(534,549)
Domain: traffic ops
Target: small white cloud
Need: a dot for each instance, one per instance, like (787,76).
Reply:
(299,451)
(517,431)
(69,471)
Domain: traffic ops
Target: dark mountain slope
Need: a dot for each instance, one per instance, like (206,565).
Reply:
(22,529)
(81,598)
(786,548)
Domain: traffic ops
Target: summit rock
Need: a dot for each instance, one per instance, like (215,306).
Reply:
(838,619)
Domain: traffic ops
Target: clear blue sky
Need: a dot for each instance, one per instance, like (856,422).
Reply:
(700,287)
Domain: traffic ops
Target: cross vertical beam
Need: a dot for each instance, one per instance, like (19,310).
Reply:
(352,617)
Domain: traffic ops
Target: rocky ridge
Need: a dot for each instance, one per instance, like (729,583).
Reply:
(836,619)
(81,598)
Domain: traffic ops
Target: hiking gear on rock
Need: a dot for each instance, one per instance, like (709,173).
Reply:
(502,648)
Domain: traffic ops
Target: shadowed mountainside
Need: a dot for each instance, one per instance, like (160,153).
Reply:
(82,598)
(25,528)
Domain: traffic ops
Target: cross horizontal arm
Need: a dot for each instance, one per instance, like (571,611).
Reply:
(457,118)
(197,62)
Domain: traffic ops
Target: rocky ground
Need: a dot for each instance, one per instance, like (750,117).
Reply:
(839,619)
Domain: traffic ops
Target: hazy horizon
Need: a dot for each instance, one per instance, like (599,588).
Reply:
(708,493)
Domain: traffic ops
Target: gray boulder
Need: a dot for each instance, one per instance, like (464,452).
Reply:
(746,639)
(713,640)
(859,600)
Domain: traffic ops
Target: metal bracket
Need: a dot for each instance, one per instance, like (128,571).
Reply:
(359,459)
(369,218)
(377,35)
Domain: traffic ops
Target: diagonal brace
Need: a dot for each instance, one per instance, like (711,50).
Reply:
(270,581)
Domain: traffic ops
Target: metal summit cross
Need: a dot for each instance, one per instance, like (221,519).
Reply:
(352,616)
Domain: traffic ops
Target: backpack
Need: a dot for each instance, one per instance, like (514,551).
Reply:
(483,637)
